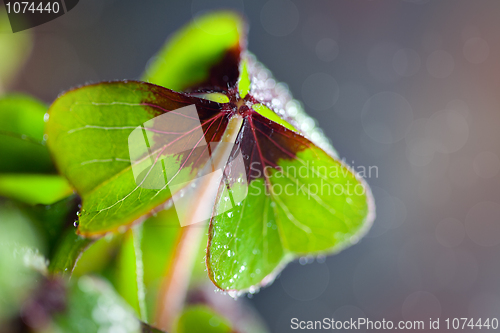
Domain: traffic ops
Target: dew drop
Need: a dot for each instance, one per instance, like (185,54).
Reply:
(75,224)
(230,214)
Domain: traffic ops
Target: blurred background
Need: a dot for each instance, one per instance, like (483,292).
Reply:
(409,87)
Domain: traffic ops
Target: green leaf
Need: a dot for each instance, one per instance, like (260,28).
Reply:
(88,135)
(129,276)
(53,220)
(271,115)
(19,258)
(93,307)
(144,260)
(279,197)
(244,79)
(99,256)
(68,252)
(14,50)
(22,145)
(298,200)
(199,318)
(204,53)
(34,189)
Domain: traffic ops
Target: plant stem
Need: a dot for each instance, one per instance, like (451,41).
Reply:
(175,285)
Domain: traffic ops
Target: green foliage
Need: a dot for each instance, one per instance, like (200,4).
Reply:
(200,318)
(24,175)
(93,307)
(281,196)
(34,188)
(190,55)
(21,135)
(249,243)
(244,80)
(285,213)
(91,148)
(69,249)
(20,258)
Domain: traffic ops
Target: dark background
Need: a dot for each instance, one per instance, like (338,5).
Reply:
(411,87)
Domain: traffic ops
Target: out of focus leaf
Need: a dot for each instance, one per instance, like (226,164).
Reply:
(53,220)
(242,316)
(68,251)
(34,188)
(129,275)
(205,53)
(19,258)
(149,329)
(22,147)
(143,262)
(201,319)
(24,158)
(98,257)
(94,307)
(14,50)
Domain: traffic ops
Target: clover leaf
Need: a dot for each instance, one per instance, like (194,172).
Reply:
(283,192)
